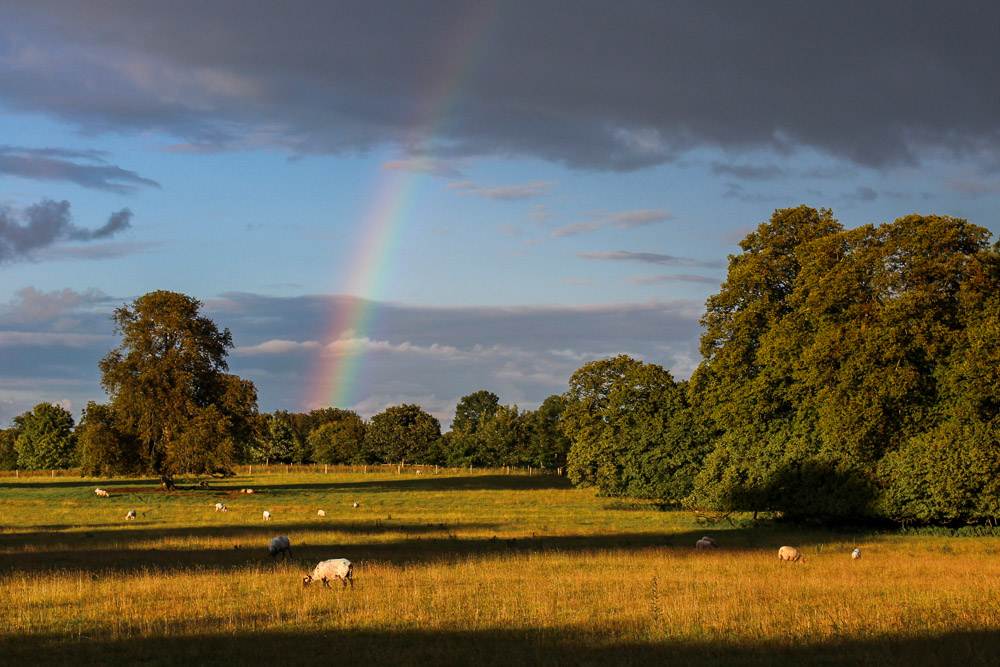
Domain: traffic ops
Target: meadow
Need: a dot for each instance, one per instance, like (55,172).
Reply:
(457,568)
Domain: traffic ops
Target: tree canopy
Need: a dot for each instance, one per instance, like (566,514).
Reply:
(45,438)
(173,405)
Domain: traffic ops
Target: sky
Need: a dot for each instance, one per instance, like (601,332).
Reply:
(391,203)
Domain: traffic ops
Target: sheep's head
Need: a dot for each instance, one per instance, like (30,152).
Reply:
(306,580)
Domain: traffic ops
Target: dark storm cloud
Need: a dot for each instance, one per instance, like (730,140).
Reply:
(587,83)
(46,223)
(53,164)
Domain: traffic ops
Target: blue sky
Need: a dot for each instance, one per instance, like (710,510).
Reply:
(572,175)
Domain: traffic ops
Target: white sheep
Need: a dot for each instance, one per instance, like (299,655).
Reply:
(706,543)
(856,554)
(131,515)
(356,505)
(790,554)
(101,493)
(321,513)
(328,570)
(267,515)
(221,507)
(279,545)
(250,491)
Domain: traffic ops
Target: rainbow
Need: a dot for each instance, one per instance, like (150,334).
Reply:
(342,366)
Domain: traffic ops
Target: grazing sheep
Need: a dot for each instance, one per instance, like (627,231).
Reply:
(101,493)
(131,515)
(279,545)
(249,491)
(267,515)
(791,554)
(321,513)
(221,507)
(856,554)
(356,505)
(706,543)
(420,472)
(328,570)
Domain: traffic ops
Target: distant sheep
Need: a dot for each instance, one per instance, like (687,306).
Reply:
(790,554)
(249,491)
(101,493)
(321,513)
(221,507)
(856,554)
(356,505)
(328,570)
(420,472)
(280,545)
(131,515)
(267,515)
(706,543)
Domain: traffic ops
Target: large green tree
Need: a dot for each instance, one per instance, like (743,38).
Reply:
(822,388)
(402,433)
(339,438)
(170,391)
(45,439)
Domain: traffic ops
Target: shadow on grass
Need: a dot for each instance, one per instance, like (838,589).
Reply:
(263,484)
(541,646)
(111,550)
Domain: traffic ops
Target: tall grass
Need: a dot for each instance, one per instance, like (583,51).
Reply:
(459,569)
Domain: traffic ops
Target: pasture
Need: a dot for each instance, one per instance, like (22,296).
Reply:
(460,568)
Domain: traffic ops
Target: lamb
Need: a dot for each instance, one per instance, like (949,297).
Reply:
(267,515)
(321,513)
(328,570)
(131,515)
(706,543)
(221,507)
(856,554)
(279,545)
(101,493)
(790,554)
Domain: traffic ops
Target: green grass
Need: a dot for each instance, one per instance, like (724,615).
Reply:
(465,569)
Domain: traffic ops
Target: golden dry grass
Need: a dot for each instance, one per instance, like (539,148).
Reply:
(470,570)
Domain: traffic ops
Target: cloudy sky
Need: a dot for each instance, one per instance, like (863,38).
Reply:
(408,202)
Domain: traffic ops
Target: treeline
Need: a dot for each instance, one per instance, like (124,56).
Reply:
(484,434)
(845,375)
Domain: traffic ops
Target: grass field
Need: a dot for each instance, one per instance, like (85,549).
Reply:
(460,568)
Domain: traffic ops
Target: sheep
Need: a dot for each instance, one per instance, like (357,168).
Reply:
(321,513)
(131,515)
(267,515)
(249,491)
(221,507)
(856,554)
(356,505)
(279,545)
(101,493)
(791,554)
(328,570)
(420,472)
(706,543)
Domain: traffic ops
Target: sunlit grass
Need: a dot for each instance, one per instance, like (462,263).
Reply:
(458,570)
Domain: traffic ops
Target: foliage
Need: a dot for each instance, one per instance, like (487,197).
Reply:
(8,452)
(402,433)
(338,440)
(630,430)
(105,450)
(170,392)
(839,365)
(45,439)
(547,445)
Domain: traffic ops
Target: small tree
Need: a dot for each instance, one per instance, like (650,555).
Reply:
(46,438)
(401,433)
